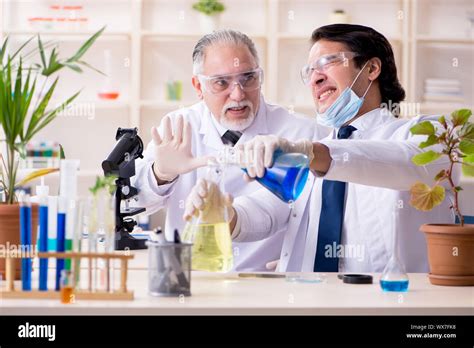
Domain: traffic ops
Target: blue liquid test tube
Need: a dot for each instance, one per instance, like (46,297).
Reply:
(25,239)
(61,239)
(43,243)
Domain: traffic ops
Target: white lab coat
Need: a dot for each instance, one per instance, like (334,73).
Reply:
(206,133)
(376,163)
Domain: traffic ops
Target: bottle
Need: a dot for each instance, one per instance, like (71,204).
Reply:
(394,277)
(210,233)
(285,179)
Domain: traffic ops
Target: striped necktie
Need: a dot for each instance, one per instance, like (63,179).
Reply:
(231,137)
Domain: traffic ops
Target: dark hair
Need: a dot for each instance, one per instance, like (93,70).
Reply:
(368,43)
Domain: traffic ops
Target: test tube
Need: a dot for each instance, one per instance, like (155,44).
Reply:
(25,239)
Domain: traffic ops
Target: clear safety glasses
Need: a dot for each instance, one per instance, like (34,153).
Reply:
(248,81)
(323,63)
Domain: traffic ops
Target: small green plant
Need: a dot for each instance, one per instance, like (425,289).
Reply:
(456,137)
(209,7)
(106,183)
(22,115)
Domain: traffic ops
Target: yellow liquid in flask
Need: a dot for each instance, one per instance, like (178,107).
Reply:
(212,249)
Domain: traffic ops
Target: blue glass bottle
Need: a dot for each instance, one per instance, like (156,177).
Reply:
(394,277)
(287,176)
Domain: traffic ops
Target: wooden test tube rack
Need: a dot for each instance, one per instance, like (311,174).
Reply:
(9,292)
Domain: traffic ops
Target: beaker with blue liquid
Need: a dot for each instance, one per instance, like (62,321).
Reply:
(394,277)
(286,178)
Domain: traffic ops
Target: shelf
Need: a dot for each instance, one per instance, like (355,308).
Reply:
(442,107)
(447,40)
(73,35)
(163,36)
(165,104)
(307,37)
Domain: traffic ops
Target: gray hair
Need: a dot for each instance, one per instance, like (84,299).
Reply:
(226,36)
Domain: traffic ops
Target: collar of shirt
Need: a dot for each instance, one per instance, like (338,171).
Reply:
(366,122)
(213,130)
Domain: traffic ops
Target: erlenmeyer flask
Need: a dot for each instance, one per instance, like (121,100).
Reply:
(210,233)
(394,277)
(285,179)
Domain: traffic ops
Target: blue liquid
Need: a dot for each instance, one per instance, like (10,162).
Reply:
(25,238)
(52,244)
(60,247)
(287,177)
(394,285)
(43,246)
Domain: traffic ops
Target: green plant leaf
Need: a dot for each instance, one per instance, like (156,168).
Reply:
(90,67)
(432,140)
(468,169)
(460,117)
(458,188)
(468,159)
(61,152)
(83,49)
(73,67)
(424,158)
(41,51)
(425,198)
(442,120)
(466,146)
(467,131)
(440,175)
(423,128)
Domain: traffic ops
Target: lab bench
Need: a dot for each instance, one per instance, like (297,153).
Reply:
(232,294)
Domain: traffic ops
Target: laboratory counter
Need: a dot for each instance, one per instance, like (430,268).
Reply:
(233,294)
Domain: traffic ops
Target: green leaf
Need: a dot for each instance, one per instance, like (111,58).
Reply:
(423,128)
(41,50)
(61,152)
(468,169)
(425,198)
(432,140)
(424,158)
(83,49)
(442,120)
(457,188)
(468,159)
(73,67)
(440,175)
(460,116)
(90,67)
(467,131)
(466,146)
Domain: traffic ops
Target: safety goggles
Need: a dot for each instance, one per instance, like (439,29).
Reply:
(323,63)
(248,81)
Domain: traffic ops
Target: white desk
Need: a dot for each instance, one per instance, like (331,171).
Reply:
(231,294)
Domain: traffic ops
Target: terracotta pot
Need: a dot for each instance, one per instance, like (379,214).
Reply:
(10,232)
(450,253)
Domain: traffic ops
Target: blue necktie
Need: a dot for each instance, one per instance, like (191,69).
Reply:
(331,217)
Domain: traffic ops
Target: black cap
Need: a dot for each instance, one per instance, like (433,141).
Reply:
(356,278)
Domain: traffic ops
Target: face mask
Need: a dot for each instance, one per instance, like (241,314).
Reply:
(344,108)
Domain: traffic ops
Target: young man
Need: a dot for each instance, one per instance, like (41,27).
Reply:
(359,195)
(227,78)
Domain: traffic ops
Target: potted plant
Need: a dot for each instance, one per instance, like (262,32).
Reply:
(450,246)
(210,11)
(23,114)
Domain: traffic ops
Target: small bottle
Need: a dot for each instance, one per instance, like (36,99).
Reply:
(285,178)
(67,287)
(394,277)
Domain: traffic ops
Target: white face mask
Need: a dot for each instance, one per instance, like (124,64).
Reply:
(344,108)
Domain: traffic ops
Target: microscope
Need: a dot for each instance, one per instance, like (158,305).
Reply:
(121,163)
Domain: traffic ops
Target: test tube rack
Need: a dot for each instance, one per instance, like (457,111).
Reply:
(122,293)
